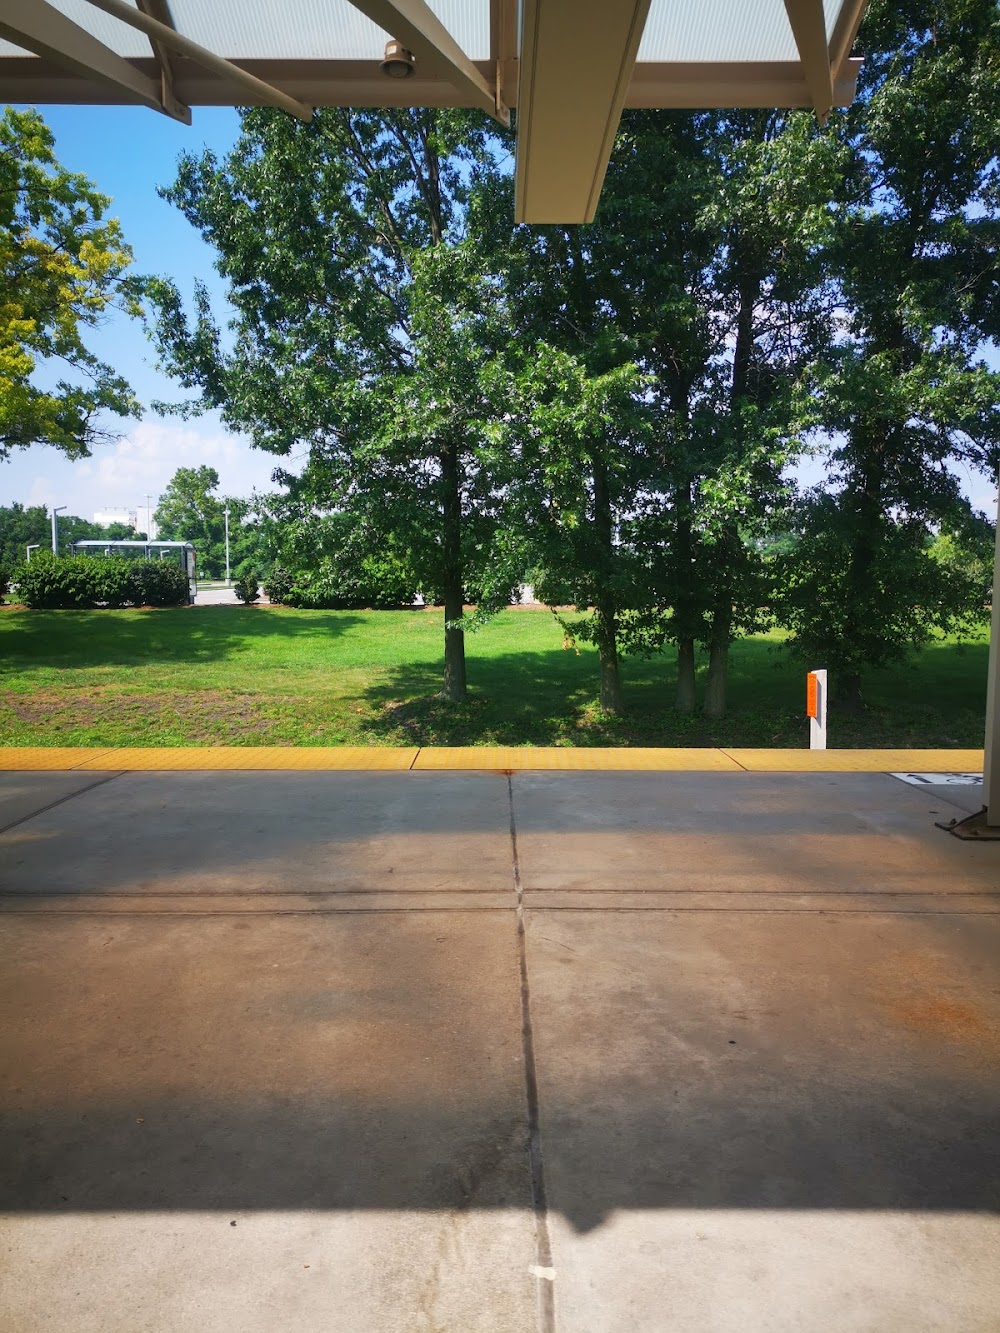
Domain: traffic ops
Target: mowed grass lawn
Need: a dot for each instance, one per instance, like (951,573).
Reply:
(272,676)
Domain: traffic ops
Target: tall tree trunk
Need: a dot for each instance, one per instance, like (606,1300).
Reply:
(848,697)
(718,661)
(607,611)
(684,609)
(454,639)
(607,651)
(685,676)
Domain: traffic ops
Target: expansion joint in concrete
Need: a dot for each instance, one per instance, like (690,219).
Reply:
(539,1202)
(108,777)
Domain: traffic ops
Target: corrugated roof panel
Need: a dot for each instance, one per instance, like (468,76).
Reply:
(278,29)
(122,39)
(718,30)
(315,29)
(831,12)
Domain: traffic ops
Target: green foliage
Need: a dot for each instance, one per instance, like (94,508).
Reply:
(83,582)
(278,585)
(155,583)
(619,405)
(902,391)
(378,581)
(188,511)
(365,330)
(247,587)
(62,268)
(20,527)
(4,584)
(968,557)
(910,594)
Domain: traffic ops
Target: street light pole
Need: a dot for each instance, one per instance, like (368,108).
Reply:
(227,544)
(56,509)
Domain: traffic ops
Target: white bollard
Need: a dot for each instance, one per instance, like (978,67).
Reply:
(816,709)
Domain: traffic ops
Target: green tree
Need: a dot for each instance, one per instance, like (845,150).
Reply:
(903,391)
(572,441)
(699,274)
(189,511)
(62,268)
(20,526)
(364,330)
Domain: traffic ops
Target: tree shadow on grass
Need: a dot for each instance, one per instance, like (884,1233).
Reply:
(550,698)
(75,639)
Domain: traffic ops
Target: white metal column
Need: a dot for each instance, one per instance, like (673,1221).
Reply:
(991,763)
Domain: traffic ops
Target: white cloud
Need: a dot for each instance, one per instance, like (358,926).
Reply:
(141,463)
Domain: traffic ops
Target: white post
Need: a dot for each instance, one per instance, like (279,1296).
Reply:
(227,544)
(55,528)
(32,546)
(991,759)
(816,707)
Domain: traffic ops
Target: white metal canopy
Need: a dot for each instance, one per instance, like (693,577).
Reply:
(569,66)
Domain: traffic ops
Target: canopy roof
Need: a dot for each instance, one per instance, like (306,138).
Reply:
(569,66)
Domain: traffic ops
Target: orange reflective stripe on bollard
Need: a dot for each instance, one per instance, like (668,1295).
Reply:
(812,695)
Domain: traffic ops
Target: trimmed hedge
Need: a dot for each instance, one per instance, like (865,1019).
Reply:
(83,582)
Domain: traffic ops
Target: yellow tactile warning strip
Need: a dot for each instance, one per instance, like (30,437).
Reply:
(33,758)
(221,758)
(565,758)
(859,761)
(186,758)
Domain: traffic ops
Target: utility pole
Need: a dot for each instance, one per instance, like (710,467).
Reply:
(227,545)
(149,519)
(56,509)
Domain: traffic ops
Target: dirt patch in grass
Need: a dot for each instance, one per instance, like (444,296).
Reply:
(133,719)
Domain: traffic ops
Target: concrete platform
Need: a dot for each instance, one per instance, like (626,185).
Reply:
(587,1052)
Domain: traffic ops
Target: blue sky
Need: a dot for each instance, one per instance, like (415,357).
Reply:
(127,152)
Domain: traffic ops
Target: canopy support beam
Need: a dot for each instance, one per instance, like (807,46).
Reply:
(809,30)
(160,10)
(844,33)
(37,26)
(415,24)
(577,60)
(265,93)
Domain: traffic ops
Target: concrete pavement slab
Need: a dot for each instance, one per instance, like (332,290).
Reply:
(761,1014)
(258,832)
(742,833)
(295,1122)
(768,1121)
(23,794)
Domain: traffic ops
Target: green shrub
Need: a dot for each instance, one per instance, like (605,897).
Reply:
(4,584)
(157,583)
(247,587)
(381,582)
(47,583)
(110,581)
(279,585)
(81,582)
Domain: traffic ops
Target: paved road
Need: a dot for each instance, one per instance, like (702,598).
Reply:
(216,597)
(579,1052)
